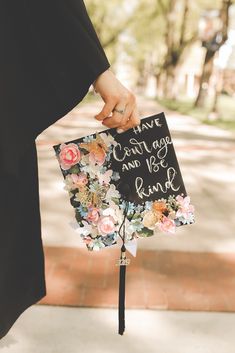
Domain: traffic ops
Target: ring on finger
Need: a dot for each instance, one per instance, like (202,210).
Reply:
(121,111)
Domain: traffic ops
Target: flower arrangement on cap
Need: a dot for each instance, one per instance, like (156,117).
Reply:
(99,207)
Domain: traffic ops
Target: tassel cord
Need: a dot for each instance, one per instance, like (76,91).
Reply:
(122,276)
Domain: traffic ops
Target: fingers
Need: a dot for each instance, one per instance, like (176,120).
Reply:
(118,119)
(132,122)
(115,119)
(107,109)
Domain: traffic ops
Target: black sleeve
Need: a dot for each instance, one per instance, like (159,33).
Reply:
(66,39)
(68,47)
(52,56)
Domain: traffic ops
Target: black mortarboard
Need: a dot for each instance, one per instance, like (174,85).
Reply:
(125,186)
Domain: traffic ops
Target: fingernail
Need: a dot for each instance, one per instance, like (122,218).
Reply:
(120,131)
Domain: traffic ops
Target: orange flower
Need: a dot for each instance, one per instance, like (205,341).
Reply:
(97,155)
(159,206)
(97,149)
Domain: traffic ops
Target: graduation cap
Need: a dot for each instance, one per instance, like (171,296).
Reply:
(123,187)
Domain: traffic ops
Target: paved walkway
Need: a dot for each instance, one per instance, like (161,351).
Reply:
(47,329)
(193,270)
(162,279)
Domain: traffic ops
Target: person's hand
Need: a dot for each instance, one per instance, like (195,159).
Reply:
(117,96)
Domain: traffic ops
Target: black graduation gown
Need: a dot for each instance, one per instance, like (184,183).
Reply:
(50,55)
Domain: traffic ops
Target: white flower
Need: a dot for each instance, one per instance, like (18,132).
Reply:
(108,139)
(86,230)
(112,192)
(118,212)
(85,159)
(97,244)
(91,169)
(114,212)
(108,212)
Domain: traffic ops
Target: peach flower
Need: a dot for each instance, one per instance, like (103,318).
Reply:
(149,219)
(159,206)
(93,215)
(69,155)
(106,225)
(167,225)
(97,155)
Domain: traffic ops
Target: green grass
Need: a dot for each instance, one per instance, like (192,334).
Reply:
(226,110)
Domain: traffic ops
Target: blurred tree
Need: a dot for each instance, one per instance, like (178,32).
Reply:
(177,38)
(110,19)
(212,46)
(160,34)
(163,30)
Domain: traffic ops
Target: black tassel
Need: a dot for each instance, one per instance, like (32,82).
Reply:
(122,280)
(122,262)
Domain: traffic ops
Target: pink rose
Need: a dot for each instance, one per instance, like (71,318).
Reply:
(80,180)
(166,225)
(184,207)
(93,215)
(106,225)
(69,155)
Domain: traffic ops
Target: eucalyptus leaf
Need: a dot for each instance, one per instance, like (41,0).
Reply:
(145,232)
(74,169)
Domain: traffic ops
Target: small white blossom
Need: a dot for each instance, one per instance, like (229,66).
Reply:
(86,230)
(85,159)
(112,192)
(108,139)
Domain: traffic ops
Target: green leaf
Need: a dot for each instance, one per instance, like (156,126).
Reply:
(74,169)
(115,200)
(136,216)
(145,232)
(78,216)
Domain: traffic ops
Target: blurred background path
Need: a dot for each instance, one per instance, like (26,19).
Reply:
(191,270)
